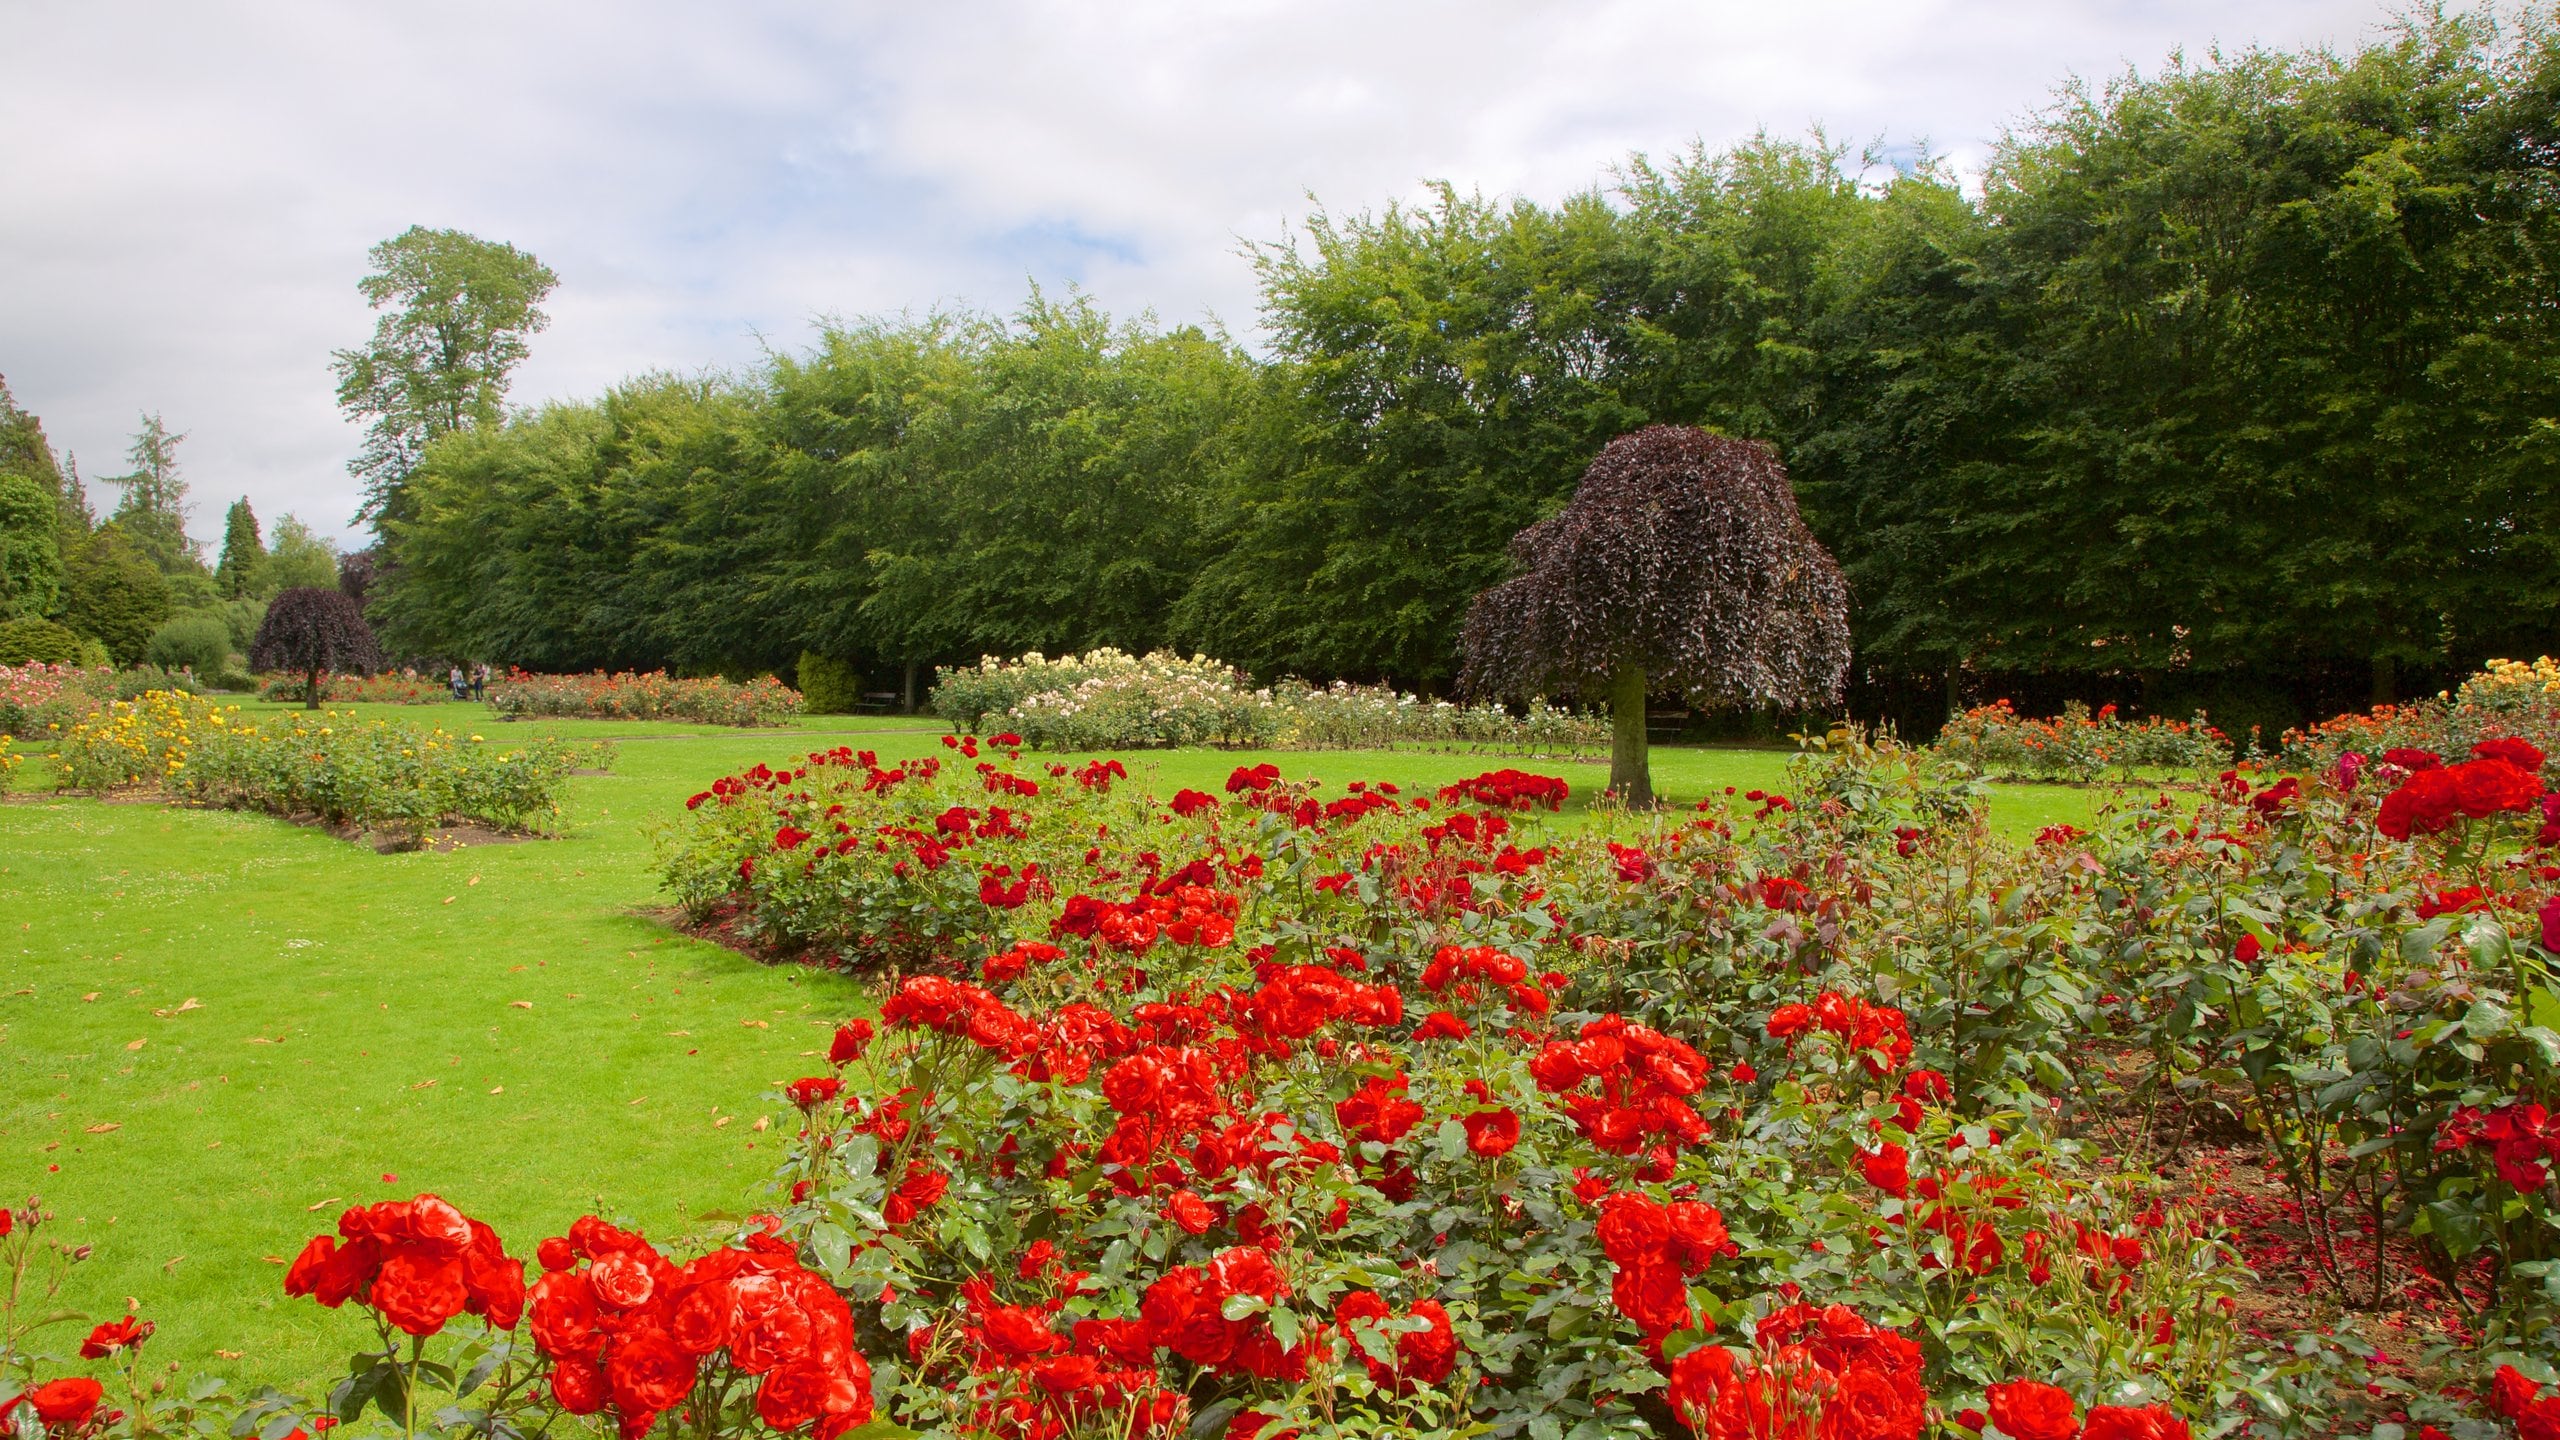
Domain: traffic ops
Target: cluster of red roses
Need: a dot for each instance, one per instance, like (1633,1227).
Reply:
(1879,1034)
(1509,790)
(2522,1139)
(1186,915)
(1456,970)
(417,1263)
(1032,1381)
(2033,1410)
(629,1331)
(2519,1398)
(2503,776)
(958,1008)
(68,1404)
(1644,1079)
(1657,1249)
(1811,1375)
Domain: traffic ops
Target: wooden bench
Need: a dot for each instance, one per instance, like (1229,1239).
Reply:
(877,702)
(1665,725)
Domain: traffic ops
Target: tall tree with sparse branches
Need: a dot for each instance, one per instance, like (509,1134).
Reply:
(314,631)
(458,311)
(1680,567)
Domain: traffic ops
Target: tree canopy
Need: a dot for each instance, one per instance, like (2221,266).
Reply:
(314,631)
(457,313)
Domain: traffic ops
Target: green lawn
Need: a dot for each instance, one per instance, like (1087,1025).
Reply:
(218,1029)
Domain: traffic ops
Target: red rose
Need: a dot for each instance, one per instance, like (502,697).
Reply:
(1189,1211)
(622,1280)
(853,1037)
(793,1395)
(1492,1132)
(649,1372)
(1425,1357)
(2424,804)
(578,1385)
(2123,1422)
(1874,1404)
(564,1316)
(1441,1025)
(555,1254)
(702,1316)
(1634,1231)
(2551,924)
(1695,1378)
(2521,754)
(68,1402)
(2033,1410)
(418,1291)
(1788,1021)
(1655,1297)
(329,1272)
(1181,1311)
(113,1336)
(1887,1168)
(2493,787)
(2511,1391)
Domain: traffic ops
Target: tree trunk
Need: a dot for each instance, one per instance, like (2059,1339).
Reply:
(909,688)
(2386,680)
(311,691)
(1630,766)
(1955,690)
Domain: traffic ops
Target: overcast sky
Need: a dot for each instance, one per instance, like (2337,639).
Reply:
(190,187)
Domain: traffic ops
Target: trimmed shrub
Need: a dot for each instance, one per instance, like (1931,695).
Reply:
(38,642)
(196,640)
(828,687)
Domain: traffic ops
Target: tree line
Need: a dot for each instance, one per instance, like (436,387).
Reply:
(130,585)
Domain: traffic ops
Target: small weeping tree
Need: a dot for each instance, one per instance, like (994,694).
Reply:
(314,631)
(1680,567)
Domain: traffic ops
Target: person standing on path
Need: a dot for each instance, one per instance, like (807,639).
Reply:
(480,680)
(461,687)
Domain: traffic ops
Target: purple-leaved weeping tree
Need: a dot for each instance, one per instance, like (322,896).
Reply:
(1680,567)
(314,631)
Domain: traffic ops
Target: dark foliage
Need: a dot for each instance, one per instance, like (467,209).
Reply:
(1680,555)
(313,631)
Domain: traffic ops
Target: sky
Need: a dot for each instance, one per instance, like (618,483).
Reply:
(192,185)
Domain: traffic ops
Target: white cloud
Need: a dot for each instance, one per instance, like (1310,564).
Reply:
(192,186)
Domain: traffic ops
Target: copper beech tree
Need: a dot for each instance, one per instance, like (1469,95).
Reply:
(1680,567)
(314,631)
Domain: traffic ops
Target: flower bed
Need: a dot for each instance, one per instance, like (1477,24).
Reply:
(622,695)
(41,700)
(2506,698)
(1109,700)
(367,774)
(2079,745)
(390,687)
(1366,1112)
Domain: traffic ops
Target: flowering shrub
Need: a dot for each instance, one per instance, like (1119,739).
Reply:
(2506,698)
(42,700)
(1106,699)
(520,695)
(329,765)
(388,687)
(2077,744)
(1342,716)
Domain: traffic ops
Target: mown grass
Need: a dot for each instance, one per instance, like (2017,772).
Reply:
(217,1029)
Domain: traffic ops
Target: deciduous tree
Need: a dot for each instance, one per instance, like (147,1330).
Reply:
(1680,567)
(314,631)
(458,312)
